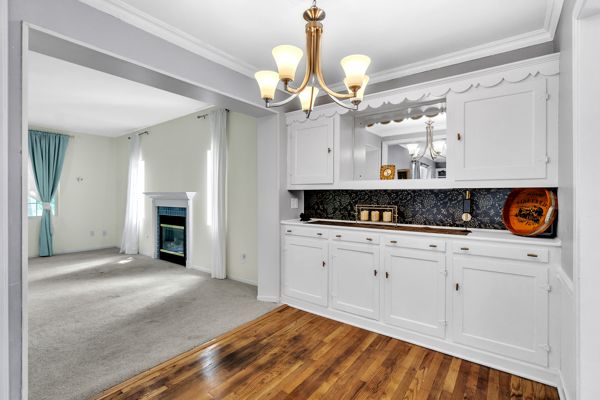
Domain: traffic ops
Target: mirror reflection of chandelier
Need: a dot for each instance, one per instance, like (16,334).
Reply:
(287,58)
(433,149)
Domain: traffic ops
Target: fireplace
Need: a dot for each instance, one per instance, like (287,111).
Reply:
(172,236)
(172,216)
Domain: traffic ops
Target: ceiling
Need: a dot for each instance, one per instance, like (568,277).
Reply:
(401,37)
(67,97)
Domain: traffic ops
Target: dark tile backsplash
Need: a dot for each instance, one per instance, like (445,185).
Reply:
(421,207)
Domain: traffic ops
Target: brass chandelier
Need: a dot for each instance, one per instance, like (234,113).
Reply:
(287,59)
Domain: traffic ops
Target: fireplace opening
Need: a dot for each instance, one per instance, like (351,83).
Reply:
(172,239)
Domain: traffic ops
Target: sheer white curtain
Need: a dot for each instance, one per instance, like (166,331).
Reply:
(218,132)
(130,239)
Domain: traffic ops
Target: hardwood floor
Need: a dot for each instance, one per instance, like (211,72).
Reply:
(291,354)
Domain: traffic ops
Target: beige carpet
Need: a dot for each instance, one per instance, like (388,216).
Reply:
(97,318)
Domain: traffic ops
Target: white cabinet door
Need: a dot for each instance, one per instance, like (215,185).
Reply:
(305,269)
(502,306)
(310,155)
(415,290)
(500,132)
(355,278)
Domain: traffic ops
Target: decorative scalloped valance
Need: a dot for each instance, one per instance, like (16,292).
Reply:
(513,73)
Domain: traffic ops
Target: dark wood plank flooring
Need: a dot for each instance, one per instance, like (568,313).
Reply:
(292,354)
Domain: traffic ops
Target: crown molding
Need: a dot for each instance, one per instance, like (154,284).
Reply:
(131,15)
(513,72)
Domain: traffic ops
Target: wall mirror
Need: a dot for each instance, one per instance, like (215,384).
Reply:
(401,142)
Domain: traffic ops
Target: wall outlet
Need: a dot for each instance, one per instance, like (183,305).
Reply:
(294,202)
(92,233)
(243,258)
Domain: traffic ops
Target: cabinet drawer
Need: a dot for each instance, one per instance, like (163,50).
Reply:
(522,253)
(306,232)
(415,243)
(356,237)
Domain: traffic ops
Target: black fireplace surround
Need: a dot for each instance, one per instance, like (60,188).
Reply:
(172,239)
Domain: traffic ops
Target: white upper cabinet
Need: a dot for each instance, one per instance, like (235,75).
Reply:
(310,152)
(414,290)
(305,269)
(500,133)
(355,278)
(484,129)
(502,306)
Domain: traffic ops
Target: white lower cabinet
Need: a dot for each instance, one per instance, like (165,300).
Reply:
(305,269)
(355,278)
(498,310)
(415,290)
(502,306)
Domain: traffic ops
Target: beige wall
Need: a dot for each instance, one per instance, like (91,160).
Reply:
(174,159)
(87,209)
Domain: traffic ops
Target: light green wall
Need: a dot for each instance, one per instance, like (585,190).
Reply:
(174,158)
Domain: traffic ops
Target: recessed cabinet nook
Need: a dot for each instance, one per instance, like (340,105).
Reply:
(487,296)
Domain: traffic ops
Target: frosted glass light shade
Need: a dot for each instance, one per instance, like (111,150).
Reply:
(440,147)
(355,67)
(287,58)
(305,97)
(413,148)
(267,82)
(361,92)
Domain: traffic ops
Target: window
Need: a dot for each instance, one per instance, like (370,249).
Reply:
(35,207)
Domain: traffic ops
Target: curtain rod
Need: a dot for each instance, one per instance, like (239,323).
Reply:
(206,115)
(139,134)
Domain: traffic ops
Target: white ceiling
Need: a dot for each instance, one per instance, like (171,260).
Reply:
(402,37)
(70,98)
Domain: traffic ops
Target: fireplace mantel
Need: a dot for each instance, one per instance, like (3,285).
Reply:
(171,195)
(174,199)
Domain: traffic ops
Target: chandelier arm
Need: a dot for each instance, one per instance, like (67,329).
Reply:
(319,73)
(310,47)
(282,102)
(340,103)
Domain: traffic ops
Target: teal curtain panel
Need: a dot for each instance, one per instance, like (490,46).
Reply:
(47,153)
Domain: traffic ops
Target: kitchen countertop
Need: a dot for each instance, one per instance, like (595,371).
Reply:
(422,230)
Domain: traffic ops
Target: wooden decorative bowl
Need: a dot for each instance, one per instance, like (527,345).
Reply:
(529,212)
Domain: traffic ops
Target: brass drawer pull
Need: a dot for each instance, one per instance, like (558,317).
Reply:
(393,241)
(464,248)
(319,234)
(370,239)
(338,236)
(289,231)
(374,272)
(532,255)
(433,246)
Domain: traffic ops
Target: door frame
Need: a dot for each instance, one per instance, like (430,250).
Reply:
(583,193)
(4,339)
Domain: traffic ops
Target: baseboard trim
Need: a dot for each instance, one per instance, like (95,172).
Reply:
(79,251)
(198,268)
(242,280)
(562,388)
(268,299)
